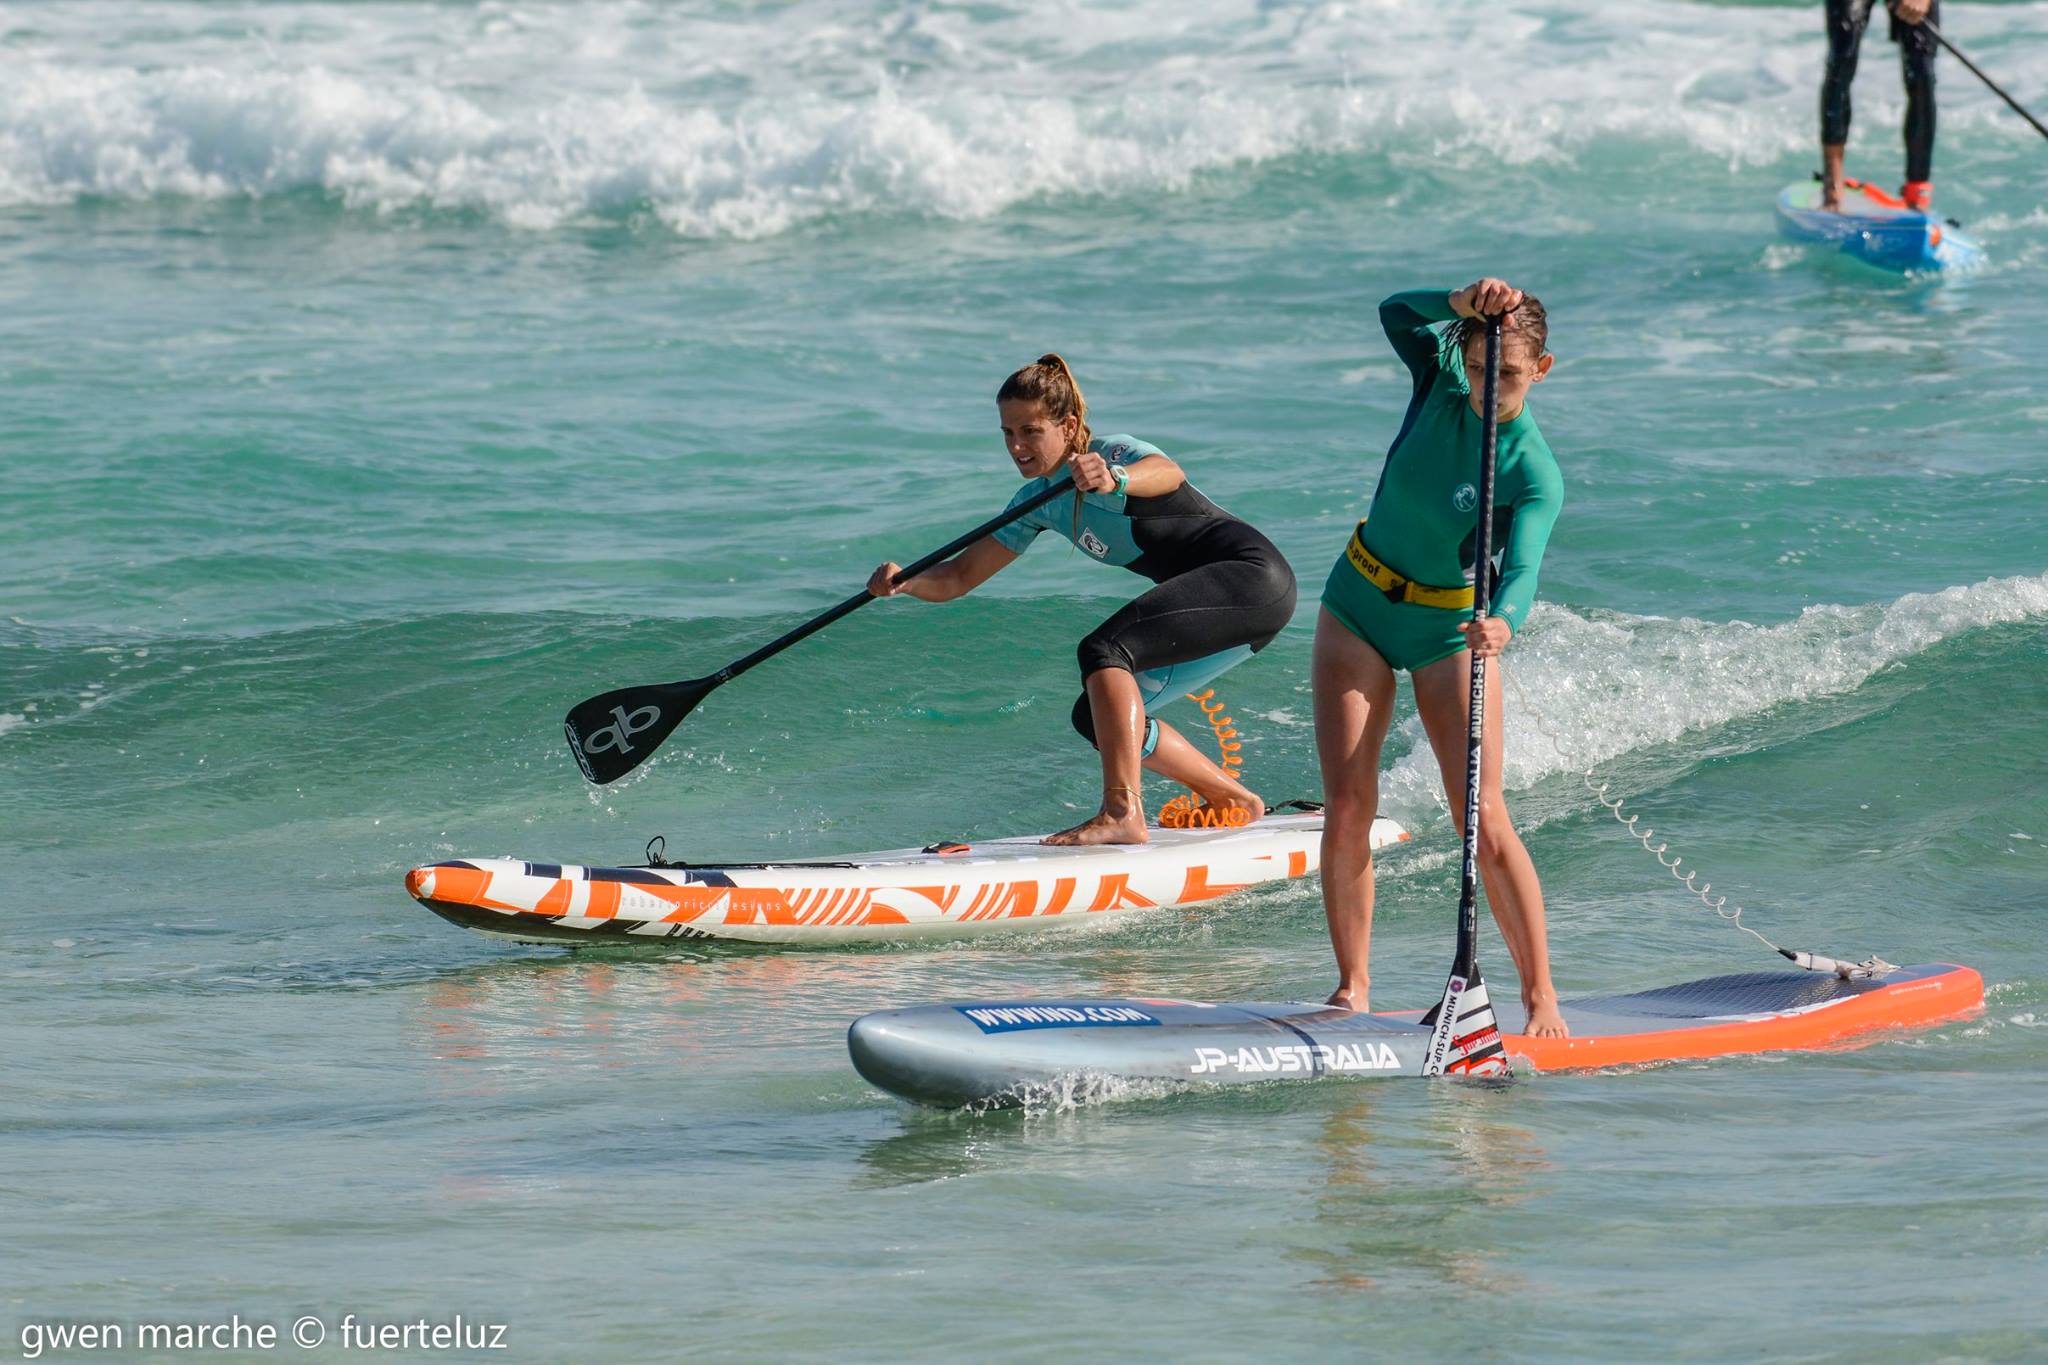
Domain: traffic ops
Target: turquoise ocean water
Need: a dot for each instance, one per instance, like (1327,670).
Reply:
(376,380)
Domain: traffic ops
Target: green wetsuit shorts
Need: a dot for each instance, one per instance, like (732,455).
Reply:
(1407,635)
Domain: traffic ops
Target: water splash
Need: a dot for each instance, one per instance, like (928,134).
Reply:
(548,115)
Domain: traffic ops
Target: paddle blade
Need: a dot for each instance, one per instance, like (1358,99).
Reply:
(613,734)
(1464,1037)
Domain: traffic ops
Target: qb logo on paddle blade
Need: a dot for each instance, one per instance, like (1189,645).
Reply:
(621,730)
(1465,497)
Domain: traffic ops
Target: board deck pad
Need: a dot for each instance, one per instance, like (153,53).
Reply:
(1885,235)
(1003,1052)
(991,886)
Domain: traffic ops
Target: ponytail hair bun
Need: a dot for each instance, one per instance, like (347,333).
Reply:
(1049,383)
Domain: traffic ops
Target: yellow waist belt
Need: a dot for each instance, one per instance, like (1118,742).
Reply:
(1396,587)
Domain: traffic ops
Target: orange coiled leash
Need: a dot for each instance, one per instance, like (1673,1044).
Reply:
(1188,811)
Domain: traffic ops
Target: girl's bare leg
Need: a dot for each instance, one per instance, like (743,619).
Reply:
(1443,695)
(1354,702)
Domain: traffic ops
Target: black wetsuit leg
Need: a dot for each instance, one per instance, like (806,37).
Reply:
(1243,595)
(1916,62)
(1846,22)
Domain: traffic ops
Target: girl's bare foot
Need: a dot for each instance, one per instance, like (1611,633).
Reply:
(1544,1020)
(1349,998)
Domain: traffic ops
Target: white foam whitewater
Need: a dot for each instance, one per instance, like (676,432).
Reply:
(718,123)
(1608,684)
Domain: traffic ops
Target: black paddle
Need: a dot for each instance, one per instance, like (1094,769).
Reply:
(1976,71)
(1464,1039)
(614,733)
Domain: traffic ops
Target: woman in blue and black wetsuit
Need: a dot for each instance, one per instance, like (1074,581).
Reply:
(1222,592)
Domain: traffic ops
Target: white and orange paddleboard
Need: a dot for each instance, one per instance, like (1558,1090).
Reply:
(944,890)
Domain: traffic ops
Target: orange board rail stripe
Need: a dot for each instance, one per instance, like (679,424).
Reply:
(1955,994)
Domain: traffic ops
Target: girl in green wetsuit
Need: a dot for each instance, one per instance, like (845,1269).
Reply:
(1400,597)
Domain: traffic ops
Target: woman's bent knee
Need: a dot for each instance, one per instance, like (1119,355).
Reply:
(1104,649)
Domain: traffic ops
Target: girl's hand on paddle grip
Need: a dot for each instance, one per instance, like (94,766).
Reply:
(1091,472)
(1487,638)
(1486,298)
(882,582)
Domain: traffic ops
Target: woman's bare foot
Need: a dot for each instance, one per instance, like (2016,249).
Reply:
(1348,997)
(1104,828)
(1230,797)
(1544,1020)
(1252,807)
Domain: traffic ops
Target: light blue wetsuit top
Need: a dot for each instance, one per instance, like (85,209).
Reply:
(1105,529)
(1157,537)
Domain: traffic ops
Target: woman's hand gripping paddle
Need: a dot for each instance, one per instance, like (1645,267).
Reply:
(614,733)
(1464,1039)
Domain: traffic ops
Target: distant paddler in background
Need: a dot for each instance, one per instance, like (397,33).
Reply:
(1846,21)
(1400,597)
(1223,592)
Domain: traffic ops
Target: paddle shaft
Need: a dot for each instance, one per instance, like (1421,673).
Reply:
(1482,592)
(862,598)
(1978,72)
(1465,997)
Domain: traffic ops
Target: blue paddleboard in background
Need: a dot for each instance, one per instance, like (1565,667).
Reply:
(1876,228)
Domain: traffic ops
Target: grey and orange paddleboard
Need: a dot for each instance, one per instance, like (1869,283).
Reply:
(1000,1053)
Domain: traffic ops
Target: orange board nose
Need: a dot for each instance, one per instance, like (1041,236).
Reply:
(460,885)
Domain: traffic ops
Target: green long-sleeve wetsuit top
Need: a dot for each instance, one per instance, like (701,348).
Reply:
(1421,521)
